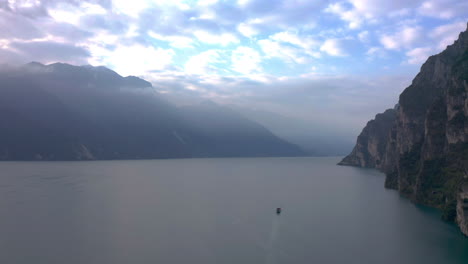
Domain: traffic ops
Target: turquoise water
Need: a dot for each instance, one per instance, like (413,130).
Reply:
(214,211)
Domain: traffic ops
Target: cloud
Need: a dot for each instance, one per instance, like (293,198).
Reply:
(350,15)
(246,60)
(245,51)
(131,8)
(376,52)
(133,59)
(443,9)
(307,43)
(202,64)
(223,39)
(274,49)
(358,12)
(446,34)
(406,37)
(333,47)
(290,47)
(351,100)
(363,36)
(13,26)
(247,30)
(179,42)
(114,23)
(49,52)
(207,2)
(67,13)
(418,55)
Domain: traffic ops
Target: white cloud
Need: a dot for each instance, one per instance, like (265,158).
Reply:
(353,17)
(447,34)
(376,8)
(179,42)
(307,43)
(247,30)
(418,55)
(22,4)
(290,47)
(207,2)
(243,2)
(405,38)
(132,60)
(134,8)
(333,47)
(71,14)
(274,49)
(66,16)
(357,12)
(201,64)
(104,38)
(223,39)
(443,9)
(246,60)
(131,8)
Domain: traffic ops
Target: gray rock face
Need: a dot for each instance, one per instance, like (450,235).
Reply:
(424,148)
(372,142)
(462,210)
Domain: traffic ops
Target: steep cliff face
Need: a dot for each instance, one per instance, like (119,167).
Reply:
(371,143)
(424,149)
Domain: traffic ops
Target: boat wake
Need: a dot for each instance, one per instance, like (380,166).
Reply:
(271,245)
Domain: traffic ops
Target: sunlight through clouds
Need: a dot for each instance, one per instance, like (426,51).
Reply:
(137,59)
(201,64)
(246,60)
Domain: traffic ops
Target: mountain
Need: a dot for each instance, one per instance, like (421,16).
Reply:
(315,139)
(422,144)
(65,112)
(232,134)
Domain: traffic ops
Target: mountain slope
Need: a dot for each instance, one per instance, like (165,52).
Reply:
(65,112)
(232,134)
(316,139)
(426,146)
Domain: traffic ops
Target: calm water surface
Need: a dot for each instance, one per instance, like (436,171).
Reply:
(214,211)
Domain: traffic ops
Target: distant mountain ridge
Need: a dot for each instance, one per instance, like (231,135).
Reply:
(312,137)
(422,145)
(65,112)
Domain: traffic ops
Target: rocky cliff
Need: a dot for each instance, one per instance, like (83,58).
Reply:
(371,144)
(423,149)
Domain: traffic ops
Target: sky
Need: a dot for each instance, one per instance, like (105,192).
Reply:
(334,64)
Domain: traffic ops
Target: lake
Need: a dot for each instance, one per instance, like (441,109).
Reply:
(214,211)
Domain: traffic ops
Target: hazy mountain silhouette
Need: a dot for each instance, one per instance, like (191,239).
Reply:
(316,140)
(65,112)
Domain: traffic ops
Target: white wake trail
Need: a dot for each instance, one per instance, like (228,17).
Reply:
(270,246)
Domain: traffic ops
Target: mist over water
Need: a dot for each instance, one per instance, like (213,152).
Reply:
(214,211)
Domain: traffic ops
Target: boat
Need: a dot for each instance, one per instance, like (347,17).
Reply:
(278,210)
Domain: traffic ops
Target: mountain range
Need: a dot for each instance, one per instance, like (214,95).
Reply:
(65,112)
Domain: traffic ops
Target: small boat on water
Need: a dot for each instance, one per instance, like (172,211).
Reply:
(278,210)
